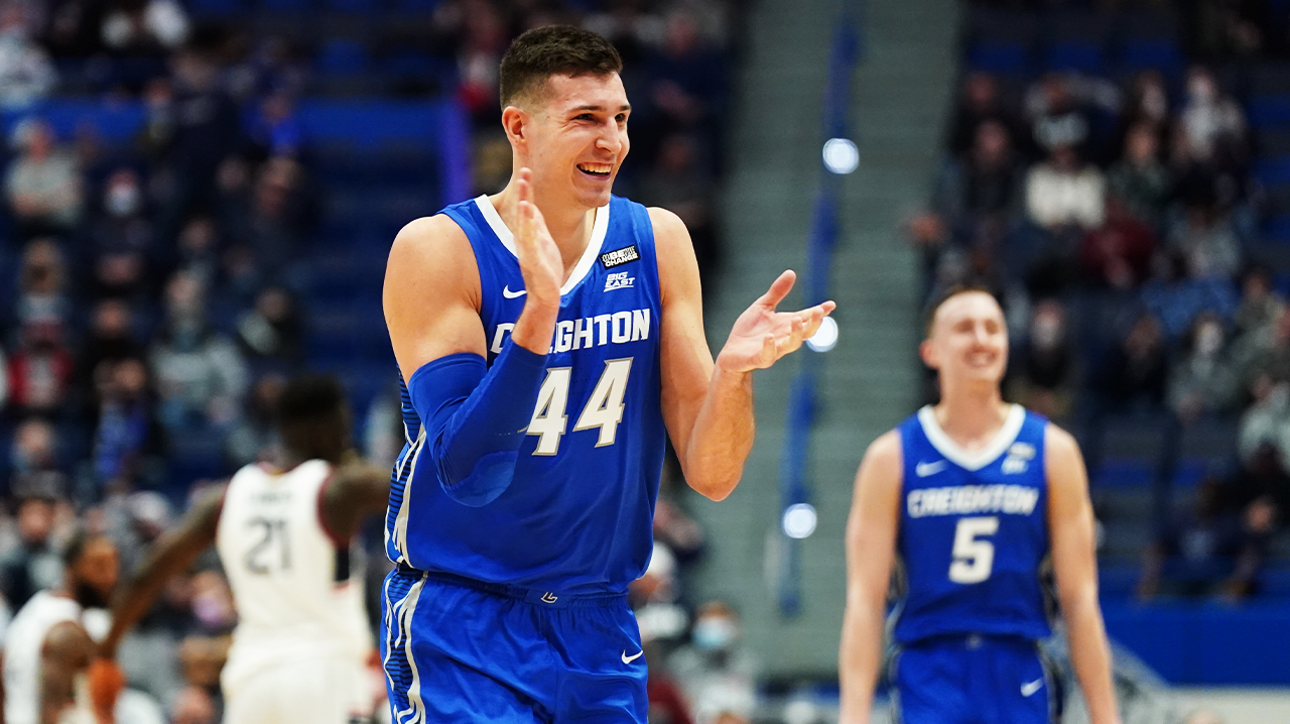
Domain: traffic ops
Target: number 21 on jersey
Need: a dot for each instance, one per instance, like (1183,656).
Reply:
(603,410)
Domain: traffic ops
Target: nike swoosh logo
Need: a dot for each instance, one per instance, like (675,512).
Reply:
(925,469)
(1032,687)
(506,292)
(628,659)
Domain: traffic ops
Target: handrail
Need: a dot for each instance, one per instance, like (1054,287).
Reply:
(794,486)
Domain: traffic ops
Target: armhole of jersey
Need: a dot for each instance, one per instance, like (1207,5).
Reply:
(469,228)
(335,539)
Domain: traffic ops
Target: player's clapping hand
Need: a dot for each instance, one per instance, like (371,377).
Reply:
(540,260)
(762,335)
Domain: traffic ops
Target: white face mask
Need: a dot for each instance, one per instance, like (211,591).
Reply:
(714,633)
(1209,340)
(122,199)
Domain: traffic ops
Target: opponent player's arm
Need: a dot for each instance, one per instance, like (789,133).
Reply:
(707,405)
(1071,525)
(173,553)
(65,652)
(354,491)
(871,548)
(474,416)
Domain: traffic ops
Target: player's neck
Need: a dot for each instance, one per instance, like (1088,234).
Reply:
(569,223)
(971,415)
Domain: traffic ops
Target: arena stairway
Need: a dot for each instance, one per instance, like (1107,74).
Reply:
(871,380)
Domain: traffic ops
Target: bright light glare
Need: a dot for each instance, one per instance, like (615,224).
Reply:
(841,156)
(825,337)
(799,520)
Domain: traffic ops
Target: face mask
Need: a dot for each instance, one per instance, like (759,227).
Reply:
(714,634)
(1209,340)
(122,200)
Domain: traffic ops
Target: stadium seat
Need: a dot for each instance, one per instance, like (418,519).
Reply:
(1162,54)
(1075,55)
(1004,58)
(1269,110)
(216,8)
(1272,170)
(342,56)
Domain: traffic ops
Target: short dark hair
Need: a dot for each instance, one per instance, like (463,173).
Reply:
(310,397)
(551,50)
(939,301)
(80,539)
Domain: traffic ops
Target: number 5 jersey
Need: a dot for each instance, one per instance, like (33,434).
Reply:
(973,540)
(577,516)
(297,599)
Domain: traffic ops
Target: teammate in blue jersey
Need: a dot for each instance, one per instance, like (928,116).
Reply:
(550,336)
(969,502)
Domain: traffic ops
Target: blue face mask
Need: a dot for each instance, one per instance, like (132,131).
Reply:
(714,634)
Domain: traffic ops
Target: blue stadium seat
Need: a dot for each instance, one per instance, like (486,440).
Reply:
(1003,58)
(216,8)
(416,6)
(1271,171)
(1124,472)
(362,7)
(287,6)
(342,56)
(1078,55)
(1277,228)
(1162,54)
(1269,110)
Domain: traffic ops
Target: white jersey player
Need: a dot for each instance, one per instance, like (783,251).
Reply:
(302,640)
(47,649)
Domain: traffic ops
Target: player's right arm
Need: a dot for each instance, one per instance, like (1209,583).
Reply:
(870,549)
(65,652)
(474,416)
(173,553)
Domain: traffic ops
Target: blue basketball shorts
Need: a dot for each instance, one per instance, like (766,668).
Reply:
(457,650)
(973,679)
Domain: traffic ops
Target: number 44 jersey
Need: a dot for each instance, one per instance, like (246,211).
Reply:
(577,516)
(973,540)
(297,599)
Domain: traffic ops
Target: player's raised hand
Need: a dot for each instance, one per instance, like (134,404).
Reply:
(540,260)
(762,335)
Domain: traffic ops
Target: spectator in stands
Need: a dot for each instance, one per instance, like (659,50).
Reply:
(682,184)
(26,72)
(254,437)
(1147,106)
(1140,180)
(276,130)
(272,223)
(128,440)
(201,376)
(1118,254)
(1265,429)
(40,370)
(123,221)
(654,597)
(34,563)
(1207,241)
(1203,380)
(198,251)
(1062,110)
(1212,122)
(111,339)
(43,183)
(1045,364)
(193,705)
(687,84)
(1209,550)
(985,181)
(1063,190)
(718,675)
(270,332)
(1134,373)
(1261,307)
(980,102)
(139,27)
(42,283)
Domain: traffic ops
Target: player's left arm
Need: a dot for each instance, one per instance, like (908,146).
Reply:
(1071,526)
(707,404)
(175,551)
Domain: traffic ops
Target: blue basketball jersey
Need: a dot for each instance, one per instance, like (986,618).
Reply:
(577,517)
(973,540)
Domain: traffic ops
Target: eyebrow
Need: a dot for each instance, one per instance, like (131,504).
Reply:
(623,107)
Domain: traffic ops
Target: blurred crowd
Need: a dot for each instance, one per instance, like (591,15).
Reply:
(159,288)
(1116,217)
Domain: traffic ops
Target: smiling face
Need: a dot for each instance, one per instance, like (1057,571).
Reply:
(968,340)
(574,137)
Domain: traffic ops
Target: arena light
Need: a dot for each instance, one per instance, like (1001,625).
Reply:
(841,156)
(799,520)
(825,337)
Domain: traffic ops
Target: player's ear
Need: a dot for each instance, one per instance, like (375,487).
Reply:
(928,353)
(515,122)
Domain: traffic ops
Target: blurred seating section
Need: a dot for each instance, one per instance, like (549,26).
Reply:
(1118,173)
(199,199)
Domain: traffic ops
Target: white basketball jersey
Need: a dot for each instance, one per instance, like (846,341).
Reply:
(24,642)
(296,600)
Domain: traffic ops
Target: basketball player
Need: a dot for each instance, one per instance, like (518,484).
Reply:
(550,336)
(973,496)
(283,535)
(47,650)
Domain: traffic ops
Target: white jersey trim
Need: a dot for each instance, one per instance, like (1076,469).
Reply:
(972,461)
(598,230)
